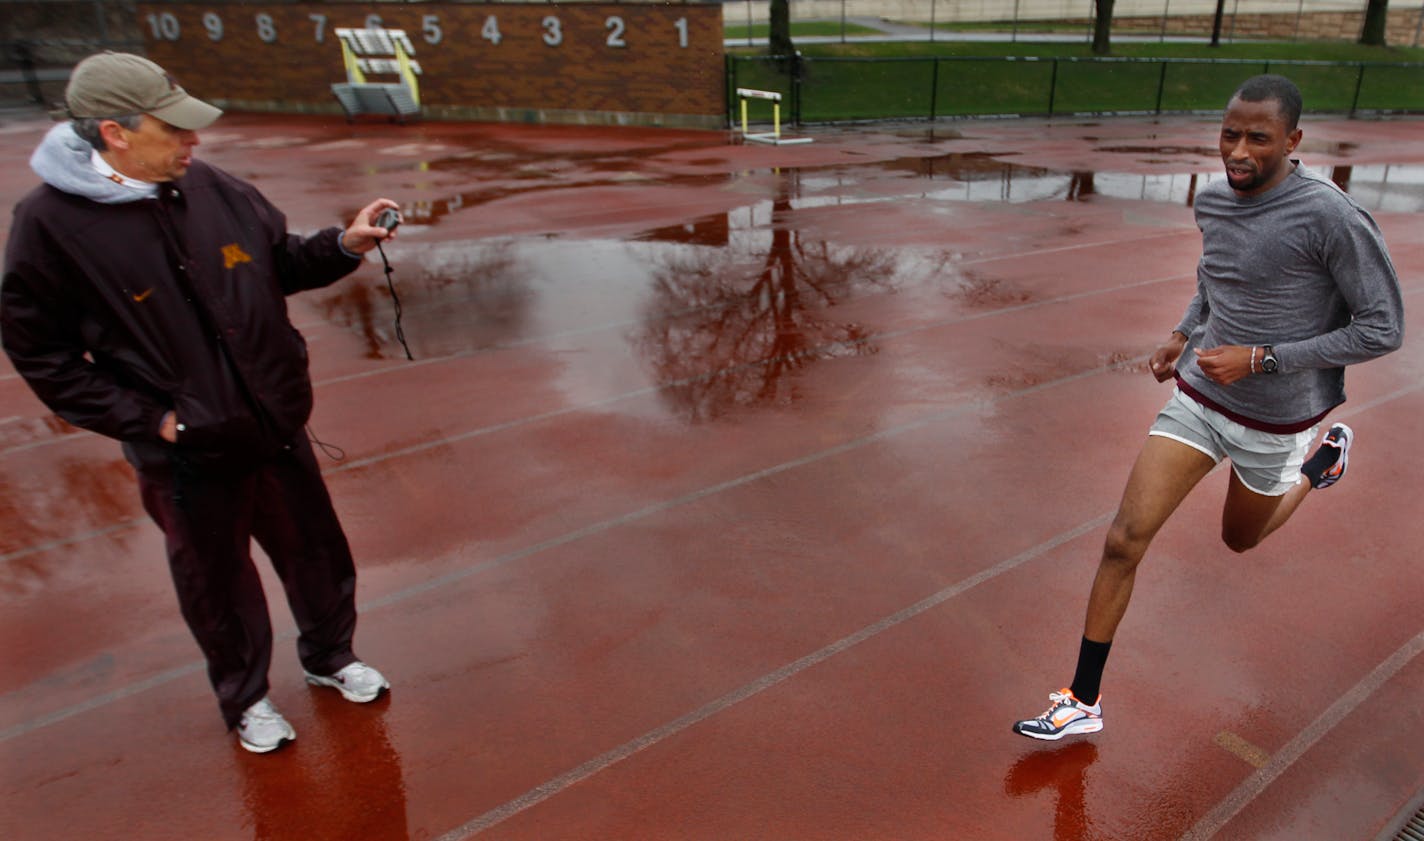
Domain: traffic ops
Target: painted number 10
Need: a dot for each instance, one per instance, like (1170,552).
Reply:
(164,26)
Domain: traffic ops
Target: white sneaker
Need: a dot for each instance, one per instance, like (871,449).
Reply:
(1066,717)
(262,728)
(357,682)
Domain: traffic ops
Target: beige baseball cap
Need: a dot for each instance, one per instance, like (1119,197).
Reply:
(111,84)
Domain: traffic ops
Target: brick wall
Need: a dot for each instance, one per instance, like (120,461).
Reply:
(592,63)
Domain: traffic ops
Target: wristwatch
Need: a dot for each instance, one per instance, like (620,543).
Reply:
(1269,364)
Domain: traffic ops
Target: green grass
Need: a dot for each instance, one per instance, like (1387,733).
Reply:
(810,27)
(1275,51)
(888,80)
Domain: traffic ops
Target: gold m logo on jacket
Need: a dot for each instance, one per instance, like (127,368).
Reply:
(233,254)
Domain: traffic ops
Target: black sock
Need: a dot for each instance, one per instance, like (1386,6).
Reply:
(1092,656)
(1316,465)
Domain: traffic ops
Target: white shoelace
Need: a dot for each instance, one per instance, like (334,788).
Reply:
(1059,699)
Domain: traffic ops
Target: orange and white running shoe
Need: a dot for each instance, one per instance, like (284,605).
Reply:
(1340,437)
(1067,716)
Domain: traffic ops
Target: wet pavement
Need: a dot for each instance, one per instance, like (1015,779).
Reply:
(739,491)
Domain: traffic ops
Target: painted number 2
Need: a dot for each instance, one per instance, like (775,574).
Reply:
(614,25)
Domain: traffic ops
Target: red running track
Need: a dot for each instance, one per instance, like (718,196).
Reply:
(743,492)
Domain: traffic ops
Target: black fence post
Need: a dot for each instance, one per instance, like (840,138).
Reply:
(1359,83)
(796,88)
(1161,86)
(1052,87)
(729,99)
(934,85)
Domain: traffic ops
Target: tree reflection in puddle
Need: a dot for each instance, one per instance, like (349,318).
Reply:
(461,295)
(725,326)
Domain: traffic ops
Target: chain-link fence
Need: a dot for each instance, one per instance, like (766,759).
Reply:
(1280,20)
(858,89)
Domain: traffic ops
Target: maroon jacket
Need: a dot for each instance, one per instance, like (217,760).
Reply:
(117,313)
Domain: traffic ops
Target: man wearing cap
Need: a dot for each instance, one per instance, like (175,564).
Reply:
(144,299)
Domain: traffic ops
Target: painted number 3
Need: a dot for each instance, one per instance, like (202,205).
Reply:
(553,33)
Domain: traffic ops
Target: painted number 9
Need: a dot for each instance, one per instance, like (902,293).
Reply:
(213,24)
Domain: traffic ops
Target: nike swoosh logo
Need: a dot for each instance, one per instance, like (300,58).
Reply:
(140,297)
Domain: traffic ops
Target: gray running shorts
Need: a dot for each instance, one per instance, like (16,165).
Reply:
(1266,462)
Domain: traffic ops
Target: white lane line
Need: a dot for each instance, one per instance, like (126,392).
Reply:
(552,787)
(62,542)
(558,784)
(1260,780)
(587,531)
(444,441)
(606,525)
(440,443)
(103,700)
(406,365)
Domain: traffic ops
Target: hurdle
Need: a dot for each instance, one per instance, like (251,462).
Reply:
(774,136)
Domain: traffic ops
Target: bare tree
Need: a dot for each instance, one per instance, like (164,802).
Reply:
(728,328)
(1376,16)
(1216,23)
(779,41)
(1102,27)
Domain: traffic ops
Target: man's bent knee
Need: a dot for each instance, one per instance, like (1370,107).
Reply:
(1239,542)
(1123,549)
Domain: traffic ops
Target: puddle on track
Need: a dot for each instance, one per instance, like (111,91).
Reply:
(721,308)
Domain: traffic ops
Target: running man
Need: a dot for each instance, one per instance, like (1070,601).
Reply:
(1294,283)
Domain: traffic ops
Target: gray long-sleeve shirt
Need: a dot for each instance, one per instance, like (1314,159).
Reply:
(1303,268)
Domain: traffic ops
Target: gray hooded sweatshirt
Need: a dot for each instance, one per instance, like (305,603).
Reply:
(65,161)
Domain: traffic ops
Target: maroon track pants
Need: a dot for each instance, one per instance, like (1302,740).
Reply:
(209,523)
